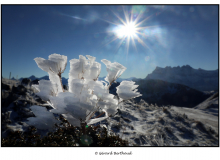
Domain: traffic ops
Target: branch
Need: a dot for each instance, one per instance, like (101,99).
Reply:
(99,115)
(52,70)
(59,75)
(111,83)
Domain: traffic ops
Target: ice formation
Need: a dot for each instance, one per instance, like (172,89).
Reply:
(86,94)
(125,90)
(55,66)
(46,89)
(44,120)
(114,70)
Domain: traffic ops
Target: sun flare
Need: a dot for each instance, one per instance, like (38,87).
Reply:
(127,30)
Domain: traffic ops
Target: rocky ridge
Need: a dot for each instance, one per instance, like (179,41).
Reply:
(199,79)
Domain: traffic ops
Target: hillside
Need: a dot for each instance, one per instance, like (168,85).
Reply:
(166,93)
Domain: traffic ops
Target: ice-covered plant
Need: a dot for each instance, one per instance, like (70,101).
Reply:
(85,95)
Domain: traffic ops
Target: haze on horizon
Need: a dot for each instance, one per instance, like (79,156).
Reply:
(140,37)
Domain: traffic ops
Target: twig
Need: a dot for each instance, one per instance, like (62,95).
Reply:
(52,70)
(100,114)
(59,75)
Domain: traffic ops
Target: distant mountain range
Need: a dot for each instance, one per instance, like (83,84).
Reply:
(199,79)
(202,80)
(179,86)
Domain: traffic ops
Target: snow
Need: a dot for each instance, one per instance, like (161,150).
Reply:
(140,124)
(148,125)
(44,120)
(199,115)
(72,120)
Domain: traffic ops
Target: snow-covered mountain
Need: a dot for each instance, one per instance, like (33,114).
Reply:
(202,80)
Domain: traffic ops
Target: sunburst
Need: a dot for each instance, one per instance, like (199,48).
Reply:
(129,30)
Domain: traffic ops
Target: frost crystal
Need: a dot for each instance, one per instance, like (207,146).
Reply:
(86,94)
(46,89)
(55,66)
(114,70)
(125,90)
(83,68)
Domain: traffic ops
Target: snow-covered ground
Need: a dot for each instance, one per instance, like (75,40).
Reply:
(149,125)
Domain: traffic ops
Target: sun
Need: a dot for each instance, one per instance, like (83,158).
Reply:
(127,30)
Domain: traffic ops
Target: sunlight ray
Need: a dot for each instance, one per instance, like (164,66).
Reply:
(120,43)
(127,45)
(126,15)
(119,18)
(143,44)
(130,29)
(133,42)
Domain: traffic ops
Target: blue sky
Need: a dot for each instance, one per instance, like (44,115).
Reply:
(168,35)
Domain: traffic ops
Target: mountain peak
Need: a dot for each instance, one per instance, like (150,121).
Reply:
(170,68)
(199,79)
(32,77)
(186,66)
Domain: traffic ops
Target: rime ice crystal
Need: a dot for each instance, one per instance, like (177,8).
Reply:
(114,70)
(125,90)
(46,89)
(55,66)
(86,94)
